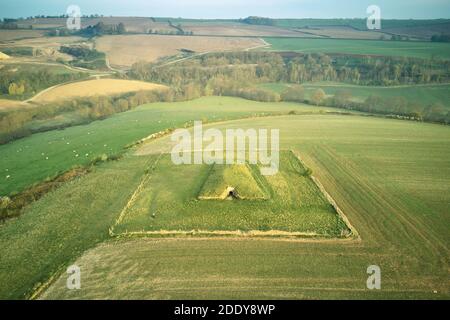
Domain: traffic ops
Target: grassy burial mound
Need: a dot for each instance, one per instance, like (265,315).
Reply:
(92,88)
(124,51)
(289,203)
(232,182)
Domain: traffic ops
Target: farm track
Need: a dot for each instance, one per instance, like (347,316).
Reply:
(264,45)
(183,59)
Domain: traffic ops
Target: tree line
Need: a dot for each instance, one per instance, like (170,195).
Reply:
(90,31)
(272,67)
(259,21)
(170,32)
(440,38)
(391,106)
(236,73)
(232,74)
(85,57)
(15,124)
(23,83)
(11,24)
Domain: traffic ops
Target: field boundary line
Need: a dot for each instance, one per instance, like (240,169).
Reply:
(37,95)
(264,45)
(236,234)
(42,288)
(133,197)
(183,59)
(354,232)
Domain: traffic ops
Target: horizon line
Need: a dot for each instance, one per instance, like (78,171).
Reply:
(55,16)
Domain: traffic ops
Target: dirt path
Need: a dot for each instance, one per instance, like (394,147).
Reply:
(264,45)
(183,59)
(108,65)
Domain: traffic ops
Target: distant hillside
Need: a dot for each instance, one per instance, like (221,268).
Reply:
(358,23)
(411,29)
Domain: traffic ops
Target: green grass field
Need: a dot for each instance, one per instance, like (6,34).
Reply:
(390,177)
(168,201)
(365,47)
(360,24)
(422,94)
(35,158)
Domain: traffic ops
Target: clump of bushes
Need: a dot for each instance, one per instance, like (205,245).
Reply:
(85,57)
(308,172)
(255,94)
(294,93)
(13,205)
(104,158)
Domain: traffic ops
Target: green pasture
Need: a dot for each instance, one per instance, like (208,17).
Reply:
(413,49)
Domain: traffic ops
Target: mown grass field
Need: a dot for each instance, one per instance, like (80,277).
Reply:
(390,177)
(414,49)
(33,159)
(172,200)
(99,87)
(423,94)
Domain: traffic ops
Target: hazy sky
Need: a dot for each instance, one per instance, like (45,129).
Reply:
(400,9)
